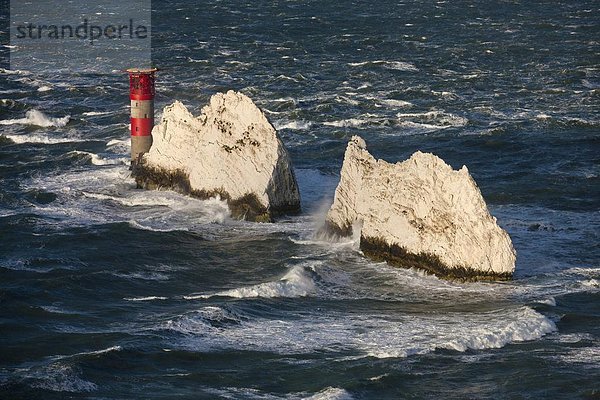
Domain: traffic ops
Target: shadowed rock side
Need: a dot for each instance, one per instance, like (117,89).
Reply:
(419,213)
(230,150)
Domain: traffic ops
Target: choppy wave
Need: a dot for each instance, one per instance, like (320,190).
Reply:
(587,357)
(38,265)
(201,321)
(119,146)
(96,159)
(395,65)
(431,120)
(58,377)
(350,122)
(331,393)
(142,275)
(360,121)
(119,142)
(92,353)
(397,103)
(38,118)
(107,195)
(13,71)
(387,337)
(147,298)
(58,310)
(297,282)
(39,138)
(96,113)
(294,125)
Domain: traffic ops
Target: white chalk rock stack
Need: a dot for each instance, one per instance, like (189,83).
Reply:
(230,150)
(419,213)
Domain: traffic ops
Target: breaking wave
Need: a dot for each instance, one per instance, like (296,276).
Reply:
(297,282)
(147,298)
(388,336)
(95,159)
(331,393)
(58,377)
(38,118)
(431,120)
(293,125)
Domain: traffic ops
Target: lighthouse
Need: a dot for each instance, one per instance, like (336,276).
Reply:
(141,95)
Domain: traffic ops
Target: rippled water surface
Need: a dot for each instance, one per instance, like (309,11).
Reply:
(109,292)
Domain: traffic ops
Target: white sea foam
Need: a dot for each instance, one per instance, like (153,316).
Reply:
(299,78)
(37,118)
(58,310)
(108,195)
(400,66)
(530,326)
(350,122)
(587,357)
(96,113)
(142,275)
(12,71)
(201,321)
(551,301)
(198,61)
(42,139)
(95,159)
(590,272)
(147,298)
(347,100)
(591,283)
(396,103)
(58,377)
(574,337)
(396,65)
(331,393)
(94,352)
(445,95)
(137,225)
(285,100)
(431,120)
(118,142)
(119,146)
(25,265)
(294,125)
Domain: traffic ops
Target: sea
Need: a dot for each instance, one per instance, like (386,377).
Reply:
(113,292)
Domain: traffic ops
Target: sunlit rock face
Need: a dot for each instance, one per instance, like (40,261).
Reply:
(230,150)
(419,213)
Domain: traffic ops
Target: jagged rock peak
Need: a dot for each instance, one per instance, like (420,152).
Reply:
(230,150)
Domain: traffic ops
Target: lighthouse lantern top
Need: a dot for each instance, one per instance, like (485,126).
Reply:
(141,83)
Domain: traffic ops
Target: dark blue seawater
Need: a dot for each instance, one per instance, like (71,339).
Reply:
(108,292)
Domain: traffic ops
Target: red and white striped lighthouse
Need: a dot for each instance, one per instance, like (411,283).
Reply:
(141,94)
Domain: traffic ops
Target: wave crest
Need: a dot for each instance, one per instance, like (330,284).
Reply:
(38,118)
(297,282)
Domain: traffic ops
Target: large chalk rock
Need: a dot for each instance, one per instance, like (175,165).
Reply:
(419,213)
(230,150)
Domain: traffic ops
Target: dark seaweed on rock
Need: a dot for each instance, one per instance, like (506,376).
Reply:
(379,250)
(247,207)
